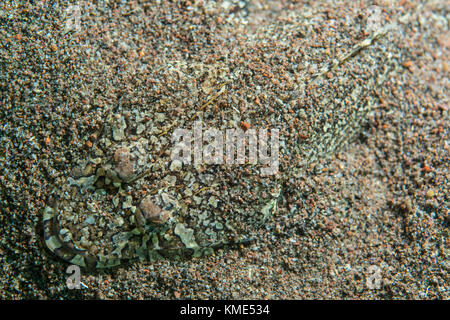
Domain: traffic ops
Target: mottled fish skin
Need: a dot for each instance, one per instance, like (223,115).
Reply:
(136,204)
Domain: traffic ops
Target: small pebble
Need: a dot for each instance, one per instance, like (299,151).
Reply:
(430,193)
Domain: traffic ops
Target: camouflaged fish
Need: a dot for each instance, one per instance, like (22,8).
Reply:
(131,200)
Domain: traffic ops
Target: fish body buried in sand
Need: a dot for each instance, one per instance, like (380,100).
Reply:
(129,200)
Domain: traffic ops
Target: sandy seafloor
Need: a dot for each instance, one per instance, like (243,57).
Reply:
(394,177)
